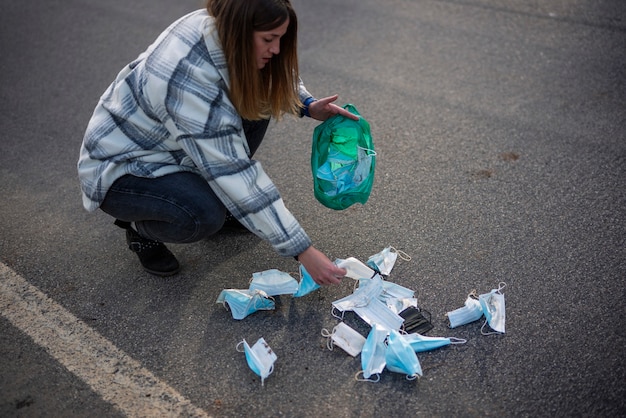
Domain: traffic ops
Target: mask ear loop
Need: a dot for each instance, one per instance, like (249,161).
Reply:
(329,340)
(362,379)
(501,286)
(412,376)
(225,304)
(454,340)
(488,333)
(239,344)
(332,312)
(368,152)
(404,256)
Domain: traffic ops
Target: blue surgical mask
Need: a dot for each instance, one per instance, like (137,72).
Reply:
(420,343)
(492,304)
(373,355)
(470,312)
(260,357)
(306,285)
(400,356)
(243,302)
(274,282)
(341,172)
(363,166)
(384,261)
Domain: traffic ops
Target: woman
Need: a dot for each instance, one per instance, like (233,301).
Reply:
(170,142)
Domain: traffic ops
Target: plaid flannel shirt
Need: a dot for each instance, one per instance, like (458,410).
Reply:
(168,111)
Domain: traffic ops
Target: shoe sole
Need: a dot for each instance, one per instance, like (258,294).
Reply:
(162,273)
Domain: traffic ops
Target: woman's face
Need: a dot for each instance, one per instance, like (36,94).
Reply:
(267,44)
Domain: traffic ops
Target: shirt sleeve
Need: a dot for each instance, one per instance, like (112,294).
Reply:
(200,117)
(306,98)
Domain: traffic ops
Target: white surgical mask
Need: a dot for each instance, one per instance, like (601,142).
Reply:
(493,308)
(274,282)
(243,302)
(378,313)
(260,357)
(470,312)
(355,269)
(400,356)
(368,289)
(398,305)
(344,337)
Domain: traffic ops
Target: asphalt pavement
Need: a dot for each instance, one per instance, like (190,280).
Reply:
(500,133)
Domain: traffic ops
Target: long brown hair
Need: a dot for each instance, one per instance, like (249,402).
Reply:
(273,90)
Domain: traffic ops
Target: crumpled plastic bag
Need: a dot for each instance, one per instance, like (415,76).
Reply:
(342,161)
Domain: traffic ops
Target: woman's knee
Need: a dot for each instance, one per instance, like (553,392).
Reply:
(183,227)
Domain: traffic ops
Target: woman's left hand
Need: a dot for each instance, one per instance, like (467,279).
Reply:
(322,109)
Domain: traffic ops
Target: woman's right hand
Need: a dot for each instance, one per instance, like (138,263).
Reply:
(323,271)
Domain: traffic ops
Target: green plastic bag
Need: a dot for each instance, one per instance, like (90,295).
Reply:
(342,161)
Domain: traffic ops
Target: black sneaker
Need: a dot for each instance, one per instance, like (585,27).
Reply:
(153,255)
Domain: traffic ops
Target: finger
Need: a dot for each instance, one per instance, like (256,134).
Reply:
(334,280)
(344,112)
(340,272)
(326,100)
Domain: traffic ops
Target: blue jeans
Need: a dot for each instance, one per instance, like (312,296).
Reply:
(179,207)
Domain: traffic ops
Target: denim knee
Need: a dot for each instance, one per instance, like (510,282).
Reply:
(184,227)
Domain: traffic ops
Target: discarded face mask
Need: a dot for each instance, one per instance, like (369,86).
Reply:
(415,321)
(470,312)
(344,337)
(243,302)
(378,313)
(384,261)
(373,355)
(394,290)
(398,305)
(420,343)
(274,282)
(400,356)
(365,302)
(355,269)
(306,285)
(492,304)
(369,289)
(260,357)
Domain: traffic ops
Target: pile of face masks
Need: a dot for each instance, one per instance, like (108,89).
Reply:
(391,310)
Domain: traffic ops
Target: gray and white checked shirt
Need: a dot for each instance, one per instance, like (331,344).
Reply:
(168,111)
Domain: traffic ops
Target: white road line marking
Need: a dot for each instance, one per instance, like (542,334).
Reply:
(115,376)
